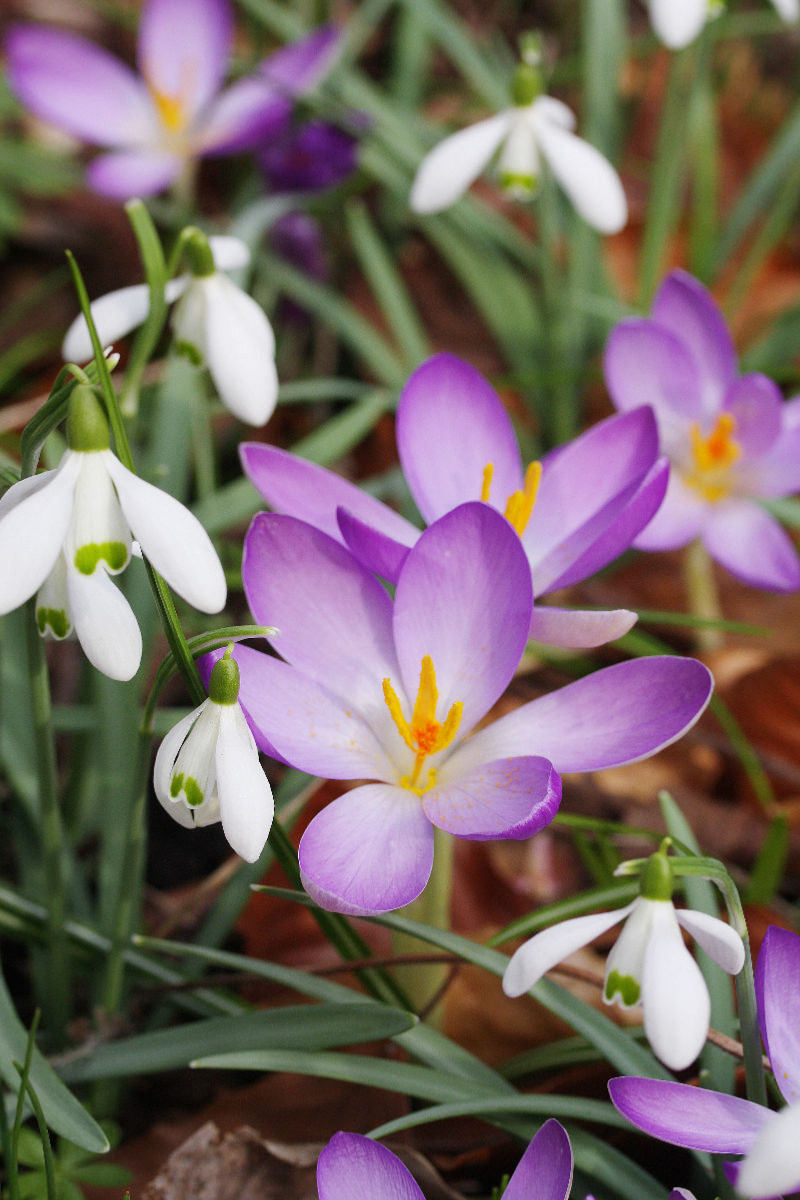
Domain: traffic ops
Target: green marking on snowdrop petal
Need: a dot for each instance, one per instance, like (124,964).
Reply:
(190,788)
(622,985)
(521,186)
(187,350)
(87,557)
(54,619)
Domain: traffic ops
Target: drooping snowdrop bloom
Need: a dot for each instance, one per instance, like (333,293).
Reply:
(207,768)
(389,690)
(215,324)
(730,438)
(649,964)
(678,22)
(154,123)
(537,129)
(720,1124)
(456,443)
(64,532)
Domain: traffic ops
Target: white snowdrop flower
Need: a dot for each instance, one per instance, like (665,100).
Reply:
(536,129)
(63,533)
(678,22)
(215,324)
(207,768)
(649,964)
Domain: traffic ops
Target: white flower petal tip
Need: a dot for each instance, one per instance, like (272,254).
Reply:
(678,22)
(544,950)
(104,624)
(772,1167)
(720,942)
(245,797)
(588,178)
(449,169)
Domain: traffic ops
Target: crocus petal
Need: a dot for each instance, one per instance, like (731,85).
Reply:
(545,1170)
(164,764)
(778,993)
(574,629)
(586,176)
(773,1164)
(245,798)
(451,425)
(645,363)
(183,50)
(512,798)
(32,532)
(368,852)
(753,545)
(617,715)
(171,538)
(104,623)
(133,173)
(378,553)
(686,308)
(777,471)
(678,22)
(300,66)
(756,404)
(678,521)
(302,489)
(464,598)
(689,1116)
(78,87)
(720,942)
(675,1000)
(245,114)
(545,950)
(353,1167)
(449,169)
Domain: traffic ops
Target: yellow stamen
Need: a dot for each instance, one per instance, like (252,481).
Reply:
(170,110)
(520,504)
(713,457)
(488,472)
(424,735)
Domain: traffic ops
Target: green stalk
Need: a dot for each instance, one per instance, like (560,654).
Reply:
(432,907)
(701,589)
(155,271)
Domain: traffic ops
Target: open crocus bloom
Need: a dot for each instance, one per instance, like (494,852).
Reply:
(173,111)
(731,439)
(720,1124)
(214,322)
(678,22)
(353,1167)
(207,769)
(649,965)
(64,532)
(456,443)
(389,690)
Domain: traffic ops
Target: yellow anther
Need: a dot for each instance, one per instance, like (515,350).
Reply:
(424,735)
(393,704)
(713,457)
(170,110)
(520,504)
(488,472)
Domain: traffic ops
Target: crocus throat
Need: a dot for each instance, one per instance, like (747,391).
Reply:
(519,504)
(423,734)
(712,458)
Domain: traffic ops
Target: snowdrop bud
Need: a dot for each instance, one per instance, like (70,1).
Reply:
(87,424)
(526,84)
(656,881)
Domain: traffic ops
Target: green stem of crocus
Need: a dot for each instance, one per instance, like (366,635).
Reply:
(432,907)
(701,589)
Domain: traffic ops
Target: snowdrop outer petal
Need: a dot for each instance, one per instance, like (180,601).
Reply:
(354,1167)
(229,253)
(788,9)
(104,623)
(171,538)
(574,629)
(584,173)
(778,996)
(678,22)
(449,169)
(245,797)
(545,1170)
(675,1000)
(773,1164)
(689,1116)
(240,351)
(165,763)
(720,942)
(183,49)
(545,950)
(128,173)
(115,315)
(32,531)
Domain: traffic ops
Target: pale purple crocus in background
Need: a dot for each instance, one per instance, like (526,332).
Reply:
(174,110)
(390,690)
(456,443)
(730,438)
(721,1124)
(678,22)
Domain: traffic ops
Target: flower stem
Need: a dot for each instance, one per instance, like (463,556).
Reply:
(701,589)
(432,907)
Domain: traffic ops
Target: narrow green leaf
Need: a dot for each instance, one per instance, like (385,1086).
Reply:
(768,869)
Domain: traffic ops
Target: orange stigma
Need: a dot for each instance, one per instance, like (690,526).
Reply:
(519,504)
(713,456)
(423,734)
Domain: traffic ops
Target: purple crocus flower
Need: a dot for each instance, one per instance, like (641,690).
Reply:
(309,158)
(456,443)
(730,438)
(173,111)
(712,1121)
(389,690)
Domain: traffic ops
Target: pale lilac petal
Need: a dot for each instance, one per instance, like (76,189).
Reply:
(777,471)
(678,521)
(689,1116)
(545,1170)
(576,629)
(645,363)
(720,942)
(753,545)
(586,175)
(104,623)
(33,530)
(778,993)
(686,308)
(448,170)
(548,948)
(78,87)
(370,851)
(183,49)
(757,406)
(614,716)
(773,1164)
(133,173)
(464,598)
(450,424)
(678,22)
(300,66)
(353,1167)
(302,489)
(378,553)
(675,1000)
(512,798)
(245,799)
